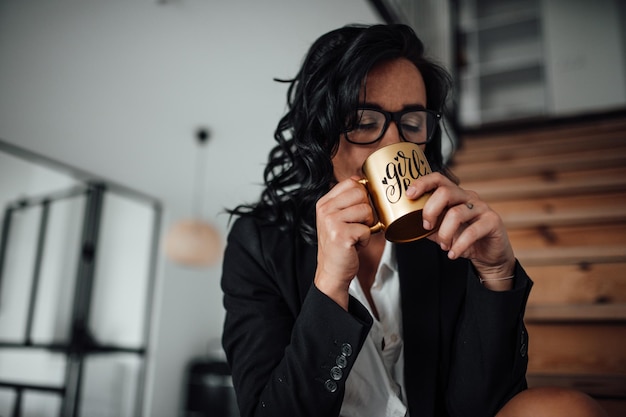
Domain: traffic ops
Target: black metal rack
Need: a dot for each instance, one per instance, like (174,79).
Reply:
(80,344)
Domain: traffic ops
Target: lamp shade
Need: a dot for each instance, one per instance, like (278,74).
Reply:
(193,242)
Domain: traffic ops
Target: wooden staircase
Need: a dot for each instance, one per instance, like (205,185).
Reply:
(561,191)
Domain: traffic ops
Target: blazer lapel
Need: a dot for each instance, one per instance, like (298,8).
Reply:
(418,268)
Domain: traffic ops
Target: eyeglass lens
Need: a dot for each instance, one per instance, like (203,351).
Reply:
(415,126)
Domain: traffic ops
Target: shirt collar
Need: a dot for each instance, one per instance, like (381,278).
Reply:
(388,264)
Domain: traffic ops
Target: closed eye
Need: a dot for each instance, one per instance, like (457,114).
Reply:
(367,126)
(411,128)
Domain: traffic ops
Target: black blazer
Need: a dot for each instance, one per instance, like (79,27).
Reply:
(465,346)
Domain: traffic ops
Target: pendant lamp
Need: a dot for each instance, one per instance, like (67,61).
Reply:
(195,242)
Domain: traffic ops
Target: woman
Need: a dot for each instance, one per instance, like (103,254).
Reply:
(324,318)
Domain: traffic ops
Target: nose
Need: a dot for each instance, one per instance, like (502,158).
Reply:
(391,135)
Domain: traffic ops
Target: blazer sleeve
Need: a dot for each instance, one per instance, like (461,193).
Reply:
(286,357)
(490,353)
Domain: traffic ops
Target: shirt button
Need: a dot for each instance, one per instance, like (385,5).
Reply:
(394,338)
(342,362)
(336,373)
(330,385)
(346,349)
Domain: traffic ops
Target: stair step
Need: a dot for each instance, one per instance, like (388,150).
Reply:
(550,184)
(602,386)
(572,255)
(576,313)
(543,163)
(581,283)
(577,348)
(563,211)
(559,237)
(588,135)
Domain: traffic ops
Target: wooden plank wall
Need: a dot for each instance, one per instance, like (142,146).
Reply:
(561,191)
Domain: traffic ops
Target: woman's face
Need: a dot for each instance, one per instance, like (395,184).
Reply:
(392,86)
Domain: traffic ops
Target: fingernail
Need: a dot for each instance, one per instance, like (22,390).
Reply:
(443,246)
(410,192)
(451,255)
(426,224)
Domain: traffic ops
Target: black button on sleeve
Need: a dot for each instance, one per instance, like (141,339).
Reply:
(330,385)
(341,361)
(346,349)
(336,373)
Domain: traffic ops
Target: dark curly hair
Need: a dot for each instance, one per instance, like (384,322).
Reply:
(321,98)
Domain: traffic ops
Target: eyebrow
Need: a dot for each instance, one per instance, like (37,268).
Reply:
(368,105)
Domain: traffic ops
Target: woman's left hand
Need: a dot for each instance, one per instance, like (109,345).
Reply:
(467,227)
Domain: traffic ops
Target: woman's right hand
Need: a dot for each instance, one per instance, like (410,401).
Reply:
(343,216)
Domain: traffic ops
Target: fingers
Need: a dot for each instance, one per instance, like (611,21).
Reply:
(466,226)
(343,215)
(461,228)
(445,196)
(348,203)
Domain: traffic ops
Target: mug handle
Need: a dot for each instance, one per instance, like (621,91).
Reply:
(378,227)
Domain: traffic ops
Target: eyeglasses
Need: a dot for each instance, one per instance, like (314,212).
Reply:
(414,125)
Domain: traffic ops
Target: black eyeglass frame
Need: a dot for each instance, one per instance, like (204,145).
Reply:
(395,117)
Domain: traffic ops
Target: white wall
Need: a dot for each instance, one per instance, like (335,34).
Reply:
(117,88)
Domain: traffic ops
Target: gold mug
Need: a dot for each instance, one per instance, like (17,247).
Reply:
(388,173)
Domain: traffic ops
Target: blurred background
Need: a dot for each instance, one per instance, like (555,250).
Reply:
(127,128)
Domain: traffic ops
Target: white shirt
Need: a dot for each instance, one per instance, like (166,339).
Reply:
(375,386)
